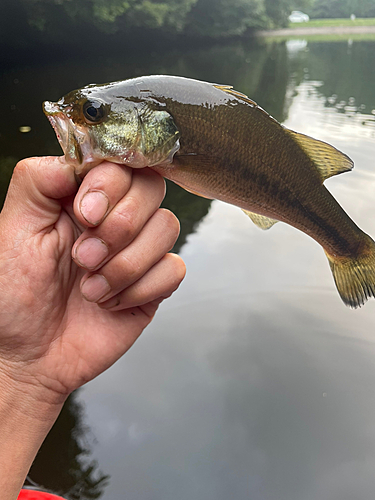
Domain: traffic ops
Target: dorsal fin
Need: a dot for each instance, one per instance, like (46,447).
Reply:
(260,220)
(328,160)
(230,90)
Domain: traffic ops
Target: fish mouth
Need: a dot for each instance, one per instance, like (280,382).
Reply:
(60,127)
(64,130)
(74,142)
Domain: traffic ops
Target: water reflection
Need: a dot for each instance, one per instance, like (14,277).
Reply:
(343,73)
(276,405)
(64,463)
(254,381)
(339,117)
(189,208)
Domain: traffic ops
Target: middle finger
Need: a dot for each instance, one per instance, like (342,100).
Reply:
(99,244)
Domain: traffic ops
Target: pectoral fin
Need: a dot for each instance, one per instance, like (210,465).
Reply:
(192,163)
(260,220)
(328,160)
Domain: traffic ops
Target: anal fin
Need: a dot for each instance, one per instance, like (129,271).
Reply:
(260,220)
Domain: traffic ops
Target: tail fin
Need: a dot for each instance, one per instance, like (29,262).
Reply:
(355,278)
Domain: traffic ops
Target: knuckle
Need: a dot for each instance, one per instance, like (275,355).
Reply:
(160,184)
(21,168)
(153,183)
(106,173)
(158,180)
(178,266)
(131,268)
(126,219)
(109,177)
(176,270)
(24,170)
(168,217)
(169,220)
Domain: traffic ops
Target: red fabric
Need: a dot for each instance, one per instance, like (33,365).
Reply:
(37,495)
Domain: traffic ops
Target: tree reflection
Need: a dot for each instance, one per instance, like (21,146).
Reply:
(189,209)
(273,81)
(63,463)
(7,164)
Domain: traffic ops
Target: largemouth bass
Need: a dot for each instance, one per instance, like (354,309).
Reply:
(218,143)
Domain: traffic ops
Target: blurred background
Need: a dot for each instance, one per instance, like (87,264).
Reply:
(254,380)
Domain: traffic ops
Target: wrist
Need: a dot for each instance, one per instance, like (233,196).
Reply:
(27,398)
(25,421)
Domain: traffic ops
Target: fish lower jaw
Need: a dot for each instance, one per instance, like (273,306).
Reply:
(60,131)
(52,121)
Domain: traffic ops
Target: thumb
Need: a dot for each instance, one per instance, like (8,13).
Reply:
(35,190)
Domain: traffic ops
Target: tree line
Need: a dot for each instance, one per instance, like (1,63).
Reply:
(212,18)
(341,8)
(64,22)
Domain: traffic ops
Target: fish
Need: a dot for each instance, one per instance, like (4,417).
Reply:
(216,142)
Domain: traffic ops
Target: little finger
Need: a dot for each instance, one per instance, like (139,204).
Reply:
(158,283)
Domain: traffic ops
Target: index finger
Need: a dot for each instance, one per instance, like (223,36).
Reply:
(100,191)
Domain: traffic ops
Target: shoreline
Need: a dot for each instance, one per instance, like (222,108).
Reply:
(323,30)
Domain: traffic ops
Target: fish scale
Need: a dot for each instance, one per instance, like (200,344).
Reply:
(218,143)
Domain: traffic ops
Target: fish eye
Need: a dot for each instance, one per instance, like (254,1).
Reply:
(93,111)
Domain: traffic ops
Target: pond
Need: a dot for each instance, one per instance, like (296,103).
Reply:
(254,380)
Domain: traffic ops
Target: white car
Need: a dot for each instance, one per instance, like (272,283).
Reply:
(298,17)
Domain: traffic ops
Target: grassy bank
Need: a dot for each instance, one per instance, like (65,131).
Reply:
(326,23)
(369,37)
(325,29)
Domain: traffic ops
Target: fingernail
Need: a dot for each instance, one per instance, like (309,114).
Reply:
(95,287)
(93,207)
(91,252)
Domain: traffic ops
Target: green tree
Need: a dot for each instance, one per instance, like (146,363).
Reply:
(278,11)
(343,8)
(218,18)
(362,8)
(108,13)
(154,14)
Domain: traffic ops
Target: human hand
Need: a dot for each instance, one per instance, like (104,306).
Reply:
(64,321)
